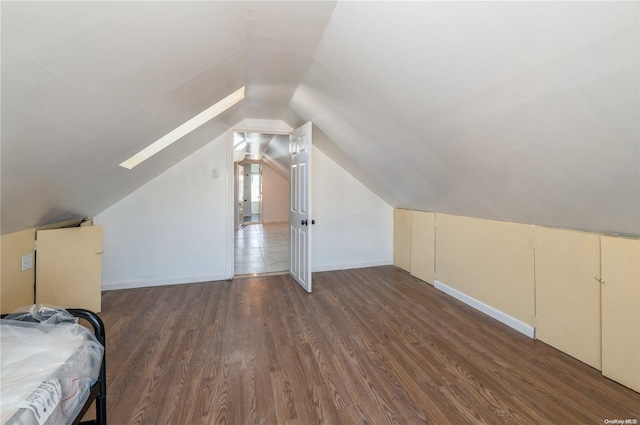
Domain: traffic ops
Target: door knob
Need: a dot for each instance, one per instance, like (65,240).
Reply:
(313,222)
(303,222)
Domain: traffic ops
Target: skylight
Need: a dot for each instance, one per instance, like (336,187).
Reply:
(184,129)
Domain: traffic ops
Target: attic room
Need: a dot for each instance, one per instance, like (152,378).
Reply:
(442,198)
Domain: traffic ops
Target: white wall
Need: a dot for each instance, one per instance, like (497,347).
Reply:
(275,196)
(354,227)
(173,229)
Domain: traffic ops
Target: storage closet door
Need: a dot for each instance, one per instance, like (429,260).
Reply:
(567,269)
(402,238)
(489,261)
(423,245)
(69,267)
(621,310)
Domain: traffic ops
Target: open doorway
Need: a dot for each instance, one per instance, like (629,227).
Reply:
(252,189)
(261,207)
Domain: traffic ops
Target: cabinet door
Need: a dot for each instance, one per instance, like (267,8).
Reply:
(423,245)
(621,310)
(402,238)
(17,285)
(69,267)
(567,266)
(491,262)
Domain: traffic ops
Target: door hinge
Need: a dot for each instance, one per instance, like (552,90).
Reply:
(435,224)
(532,243)
(535,322)
(35,245)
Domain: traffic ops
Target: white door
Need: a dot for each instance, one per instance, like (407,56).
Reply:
(300,206)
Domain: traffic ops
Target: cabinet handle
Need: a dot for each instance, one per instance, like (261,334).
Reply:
(600,280)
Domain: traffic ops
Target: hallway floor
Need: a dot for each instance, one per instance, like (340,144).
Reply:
(262,248)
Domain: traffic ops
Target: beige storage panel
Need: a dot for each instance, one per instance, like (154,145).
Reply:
(423,245)
(17,285)
(69,267)
(402,238)
(621,310)
(490,261)
(568,292)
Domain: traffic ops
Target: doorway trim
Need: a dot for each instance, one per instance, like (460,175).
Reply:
(248,126)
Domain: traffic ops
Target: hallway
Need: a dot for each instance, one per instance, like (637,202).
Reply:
(262,248)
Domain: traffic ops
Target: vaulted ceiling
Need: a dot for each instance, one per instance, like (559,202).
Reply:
(518,111)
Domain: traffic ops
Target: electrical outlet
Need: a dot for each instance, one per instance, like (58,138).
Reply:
(214,173)
(27,262)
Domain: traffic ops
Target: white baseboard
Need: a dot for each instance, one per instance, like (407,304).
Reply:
(500,316)
(111,286)
(331,267)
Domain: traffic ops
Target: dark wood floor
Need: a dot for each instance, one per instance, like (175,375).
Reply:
(369,346)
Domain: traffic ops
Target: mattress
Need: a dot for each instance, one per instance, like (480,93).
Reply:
(48,366)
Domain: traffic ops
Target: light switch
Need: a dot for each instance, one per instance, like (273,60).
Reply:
(27,262)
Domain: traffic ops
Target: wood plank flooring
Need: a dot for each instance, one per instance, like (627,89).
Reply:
(369,346)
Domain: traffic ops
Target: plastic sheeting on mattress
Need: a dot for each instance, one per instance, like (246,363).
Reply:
(48,364)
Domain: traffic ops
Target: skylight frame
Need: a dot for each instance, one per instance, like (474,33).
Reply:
(184,129)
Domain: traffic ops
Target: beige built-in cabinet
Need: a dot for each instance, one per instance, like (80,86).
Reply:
(423,254)
(402,238)
(621,310)
(578,291)
(490,262)
(69,267)
(66,272)
(567,273)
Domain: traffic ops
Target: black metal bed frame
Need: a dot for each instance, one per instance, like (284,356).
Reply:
(98,390)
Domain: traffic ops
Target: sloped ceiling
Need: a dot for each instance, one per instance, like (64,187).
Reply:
(85,85)
(519,111)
